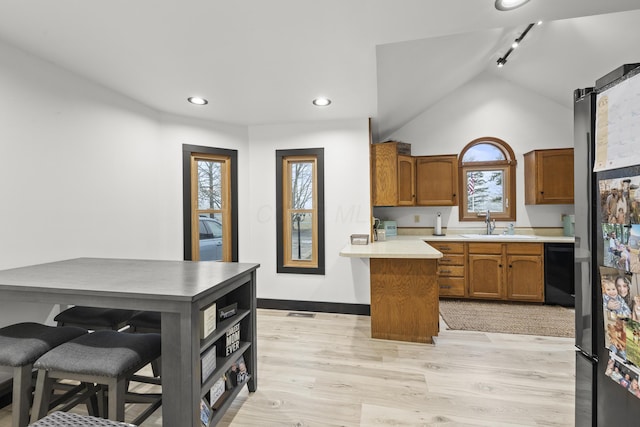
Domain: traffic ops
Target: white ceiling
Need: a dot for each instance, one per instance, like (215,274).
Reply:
(263,61)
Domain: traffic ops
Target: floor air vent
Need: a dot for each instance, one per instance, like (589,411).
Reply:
(309,315)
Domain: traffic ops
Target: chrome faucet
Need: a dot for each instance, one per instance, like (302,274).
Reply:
(490,226)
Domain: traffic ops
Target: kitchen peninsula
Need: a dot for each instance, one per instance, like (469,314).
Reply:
(410,272)
(404,289)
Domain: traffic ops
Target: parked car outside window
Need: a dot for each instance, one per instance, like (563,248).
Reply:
(210,239)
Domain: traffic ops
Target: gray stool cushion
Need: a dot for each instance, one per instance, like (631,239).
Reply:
(65,419)
(102,353)
(23,343)
(113,318)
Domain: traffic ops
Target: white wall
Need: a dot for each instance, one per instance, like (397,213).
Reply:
(487,106)
(85,172)
(346,155)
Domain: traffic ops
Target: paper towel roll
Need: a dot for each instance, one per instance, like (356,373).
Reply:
(438,224)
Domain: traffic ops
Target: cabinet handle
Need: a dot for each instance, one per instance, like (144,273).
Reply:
(454,194)
(500,265)
(510,266)
(542,192)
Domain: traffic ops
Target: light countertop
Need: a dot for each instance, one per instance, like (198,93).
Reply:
(416,246)
(400,247)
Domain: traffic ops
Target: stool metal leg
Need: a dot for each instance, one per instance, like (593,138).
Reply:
(21,395)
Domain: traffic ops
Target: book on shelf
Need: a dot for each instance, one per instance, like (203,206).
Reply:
(232,339)
(205,413)
(207,320)
(237,373)
(228,311)
(216,391)
(208,363)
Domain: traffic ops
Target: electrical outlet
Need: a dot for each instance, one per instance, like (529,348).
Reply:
(416,218)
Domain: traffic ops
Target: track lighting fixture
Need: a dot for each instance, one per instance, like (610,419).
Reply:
(503,60)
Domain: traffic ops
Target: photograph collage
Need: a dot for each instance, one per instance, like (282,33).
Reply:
(619,279)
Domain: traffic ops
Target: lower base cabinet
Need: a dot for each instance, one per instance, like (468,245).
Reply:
(491,271)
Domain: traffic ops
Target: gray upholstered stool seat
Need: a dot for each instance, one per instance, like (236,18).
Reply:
(20,345)
(94,318)
(145,322)
(103,357)
(66,419)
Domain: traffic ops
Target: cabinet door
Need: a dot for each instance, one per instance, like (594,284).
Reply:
(406,181)
(524,278)
(555,176)
(485,276)
(384,171)
(437,180)
(548,176)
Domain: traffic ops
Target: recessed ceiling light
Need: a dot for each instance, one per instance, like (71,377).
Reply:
(197,100)
(321,101)
(509,4)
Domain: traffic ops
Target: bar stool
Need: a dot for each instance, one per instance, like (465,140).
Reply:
(108,358)
(20,345)
(147,322)
(67,419)
(94,318)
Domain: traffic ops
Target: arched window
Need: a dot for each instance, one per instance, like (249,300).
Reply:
(488,179)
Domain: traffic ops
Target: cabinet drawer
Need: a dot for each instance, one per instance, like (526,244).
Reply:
(485,248)
(525,248)
(451,270)
(448,259)
(448,247)
(451,286)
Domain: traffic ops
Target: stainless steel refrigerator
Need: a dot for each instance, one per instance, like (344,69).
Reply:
(601,400)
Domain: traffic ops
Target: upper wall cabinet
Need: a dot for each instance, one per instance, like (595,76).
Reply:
(437,180)
(393,174)
(548,177)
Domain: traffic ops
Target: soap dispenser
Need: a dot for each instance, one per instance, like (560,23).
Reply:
(511,230)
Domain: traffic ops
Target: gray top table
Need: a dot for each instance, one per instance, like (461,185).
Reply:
(177,289)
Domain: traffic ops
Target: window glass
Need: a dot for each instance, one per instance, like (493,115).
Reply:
(485,191)
(209,184)
(483,153)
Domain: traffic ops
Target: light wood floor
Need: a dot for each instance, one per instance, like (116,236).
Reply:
(326,371)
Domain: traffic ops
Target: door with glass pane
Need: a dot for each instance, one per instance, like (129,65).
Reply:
(210,208)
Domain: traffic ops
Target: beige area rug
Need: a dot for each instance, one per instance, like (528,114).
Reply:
(508,317)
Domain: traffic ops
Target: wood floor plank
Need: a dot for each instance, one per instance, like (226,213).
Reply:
(327,371)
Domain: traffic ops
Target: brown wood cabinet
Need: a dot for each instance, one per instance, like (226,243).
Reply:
(486,270)
(406,181)
(490,270)
(451,269)
(437,180)
(392,174)
(525,271)
(548,176)
(506,271)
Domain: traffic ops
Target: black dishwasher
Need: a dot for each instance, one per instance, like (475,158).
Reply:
(559,283)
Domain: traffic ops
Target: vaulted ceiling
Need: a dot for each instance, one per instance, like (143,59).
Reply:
(262,62)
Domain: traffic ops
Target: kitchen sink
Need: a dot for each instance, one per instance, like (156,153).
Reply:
(497,236)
